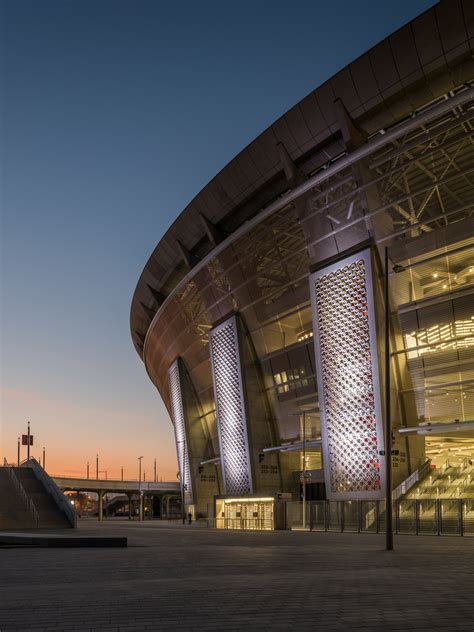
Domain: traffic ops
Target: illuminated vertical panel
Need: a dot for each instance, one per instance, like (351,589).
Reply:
(177,409)
(348,382)
(230,407)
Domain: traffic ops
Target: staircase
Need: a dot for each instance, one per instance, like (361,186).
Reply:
(447,482)
(25,502)
(15,511)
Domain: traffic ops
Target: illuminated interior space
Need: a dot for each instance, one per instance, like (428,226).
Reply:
(251,514)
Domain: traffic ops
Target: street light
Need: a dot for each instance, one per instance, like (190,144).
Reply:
(388,412)
(388,418)
(140,507)
(304,476)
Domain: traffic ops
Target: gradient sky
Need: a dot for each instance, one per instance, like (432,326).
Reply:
(114,115)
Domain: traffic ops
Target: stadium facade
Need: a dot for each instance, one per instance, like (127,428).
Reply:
(260,314)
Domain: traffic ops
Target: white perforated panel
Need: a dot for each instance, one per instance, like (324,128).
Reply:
(230,405)
(180,431)
(347,371)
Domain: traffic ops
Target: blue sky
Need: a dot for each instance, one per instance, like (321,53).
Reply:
(115,114)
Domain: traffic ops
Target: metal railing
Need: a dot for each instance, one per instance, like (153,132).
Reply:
(443,516)
(26,501)
(414,478)
(53,490)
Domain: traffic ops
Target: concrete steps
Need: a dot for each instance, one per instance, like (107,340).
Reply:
(12,512)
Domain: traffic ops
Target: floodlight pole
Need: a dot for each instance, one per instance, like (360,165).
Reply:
(28,443)
(140,507)
(304,470)
(388,419)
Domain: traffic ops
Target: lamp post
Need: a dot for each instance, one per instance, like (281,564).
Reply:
(304,470)
(140,505)
(18,455)
(388,410)
(97,467)
(388,419)
(28,443)
(304,476)
(44,459)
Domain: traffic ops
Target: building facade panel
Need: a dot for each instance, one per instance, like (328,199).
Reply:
(182,452)
(347,374)
(231,409)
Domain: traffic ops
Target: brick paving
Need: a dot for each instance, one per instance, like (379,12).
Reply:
(185,578)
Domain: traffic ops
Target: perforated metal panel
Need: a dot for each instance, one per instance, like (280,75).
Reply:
(230,405)
(347,372)
(180,430)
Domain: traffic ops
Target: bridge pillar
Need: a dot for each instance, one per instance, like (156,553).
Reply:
(146,513)
(151,501)
(129,496)
(141,505)
(100,494)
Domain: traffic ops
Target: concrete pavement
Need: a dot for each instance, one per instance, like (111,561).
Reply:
(197,579)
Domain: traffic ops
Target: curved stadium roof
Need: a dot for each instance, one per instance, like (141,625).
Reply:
(417,64)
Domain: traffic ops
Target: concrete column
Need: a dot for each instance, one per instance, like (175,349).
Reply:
(151,508)
(141,504)
(129,496)
(100,494)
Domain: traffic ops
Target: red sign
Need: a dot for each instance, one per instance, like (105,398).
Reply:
(24,439)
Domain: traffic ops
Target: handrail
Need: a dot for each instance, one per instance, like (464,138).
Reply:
(26,500)
(414,478)
(52,489)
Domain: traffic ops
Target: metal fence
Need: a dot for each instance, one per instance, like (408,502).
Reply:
(423,517)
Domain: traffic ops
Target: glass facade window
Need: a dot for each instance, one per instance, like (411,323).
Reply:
(409,187)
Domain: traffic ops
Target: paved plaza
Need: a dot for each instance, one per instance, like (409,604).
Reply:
(188,578)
